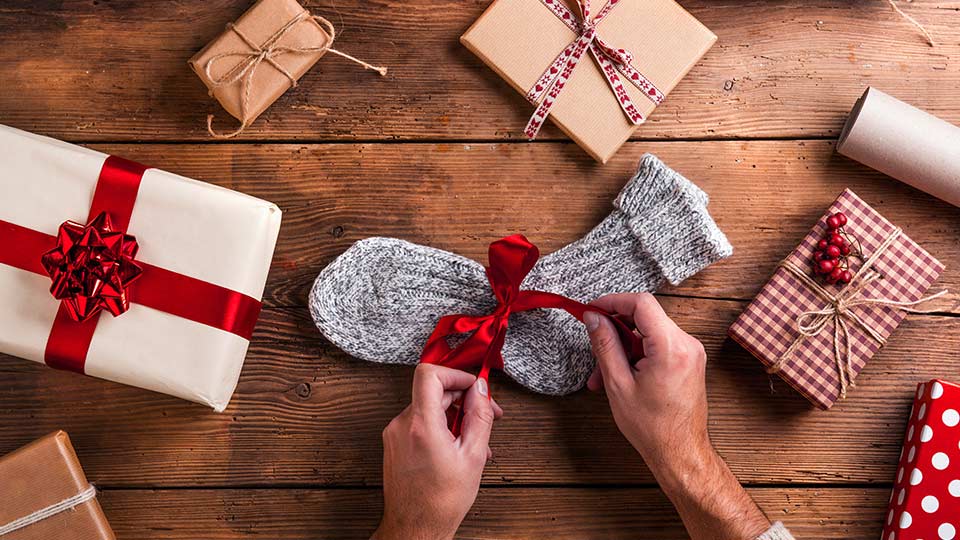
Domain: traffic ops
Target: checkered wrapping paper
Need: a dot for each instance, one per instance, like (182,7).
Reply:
(768,327)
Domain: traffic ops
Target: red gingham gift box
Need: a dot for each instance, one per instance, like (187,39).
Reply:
(769,327)
(925,502)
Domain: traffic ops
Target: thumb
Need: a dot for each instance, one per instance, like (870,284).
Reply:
(478,416)
(608,349)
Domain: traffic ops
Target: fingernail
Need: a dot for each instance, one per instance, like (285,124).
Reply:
(482,387)
(591,320)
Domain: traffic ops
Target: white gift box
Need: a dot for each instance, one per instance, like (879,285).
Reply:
(203,231)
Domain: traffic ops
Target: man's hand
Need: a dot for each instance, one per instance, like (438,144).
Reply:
(660,405)
(431,478)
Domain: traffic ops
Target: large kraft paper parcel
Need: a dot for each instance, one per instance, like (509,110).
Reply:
(520,38)
(41,474)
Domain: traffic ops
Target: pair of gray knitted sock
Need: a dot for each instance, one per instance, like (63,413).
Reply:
(381,299)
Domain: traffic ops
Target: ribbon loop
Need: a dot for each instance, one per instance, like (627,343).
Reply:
(510,259)
(610,59)
(92,267)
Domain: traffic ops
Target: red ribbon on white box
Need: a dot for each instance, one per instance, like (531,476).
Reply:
(610,59)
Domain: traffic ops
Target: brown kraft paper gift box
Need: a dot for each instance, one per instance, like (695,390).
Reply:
(42,474)
(519,39)
(901,273)
(259,24)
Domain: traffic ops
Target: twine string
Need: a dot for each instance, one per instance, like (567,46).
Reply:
(67,504)
(838,310)
(267,52)
(912,21)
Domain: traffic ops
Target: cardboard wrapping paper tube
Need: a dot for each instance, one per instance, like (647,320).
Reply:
(904,142)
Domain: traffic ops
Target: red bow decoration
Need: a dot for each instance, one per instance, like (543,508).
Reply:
(91,268)
(610,59)
(511,259)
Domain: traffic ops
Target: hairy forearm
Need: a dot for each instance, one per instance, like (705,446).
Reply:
(710,500)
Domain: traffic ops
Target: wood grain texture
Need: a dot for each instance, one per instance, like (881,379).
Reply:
(581,514)
(116,70)
(765,195)
(305,414)
(297,454)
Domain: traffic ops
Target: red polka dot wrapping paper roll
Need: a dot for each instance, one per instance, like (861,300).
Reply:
(925,502)
(769,327)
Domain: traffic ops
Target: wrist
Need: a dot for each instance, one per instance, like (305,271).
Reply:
(708,496)
(395,530)
(688,470)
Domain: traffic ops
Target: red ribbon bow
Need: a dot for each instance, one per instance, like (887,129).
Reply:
(610,59)
(511,259)
(92,269)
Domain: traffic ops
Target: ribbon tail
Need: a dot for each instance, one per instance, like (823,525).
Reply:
(571,55)
(492,358)
(632,343)
(609,71)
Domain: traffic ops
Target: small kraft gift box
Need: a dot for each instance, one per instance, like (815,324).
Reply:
(925,502)
(596,68)
(46,495)
(128,273)
(818,335)
(262,55)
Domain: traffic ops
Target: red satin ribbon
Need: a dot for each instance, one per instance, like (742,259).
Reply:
(157,288)
(511,259)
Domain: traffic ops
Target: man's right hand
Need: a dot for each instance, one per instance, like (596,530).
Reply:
(660,405)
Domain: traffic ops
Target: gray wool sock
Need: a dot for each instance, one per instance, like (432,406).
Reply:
(381,299)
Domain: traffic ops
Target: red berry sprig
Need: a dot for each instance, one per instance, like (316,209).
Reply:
(831,258)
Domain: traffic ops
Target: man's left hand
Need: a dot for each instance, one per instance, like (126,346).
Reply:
(430,477)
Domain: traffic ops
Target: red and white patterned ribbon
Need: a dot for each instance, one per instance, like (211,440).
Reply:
(610,59)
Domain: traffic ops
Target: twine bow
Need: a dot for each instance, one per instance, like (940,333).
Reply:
(839,312)
(610,59)
(268,52)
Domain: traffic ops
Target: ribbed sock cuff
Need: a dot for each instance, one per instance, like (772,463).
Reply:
(668,215)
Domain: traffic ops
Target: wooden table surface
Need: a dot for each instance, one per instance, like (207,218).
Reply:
(434,154)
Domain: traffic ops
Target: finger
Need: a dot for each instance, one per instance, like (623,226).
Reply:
(430,382)
(497,410)
(595,382)
(478,417)
(647,314)
(450,397)
(607,348)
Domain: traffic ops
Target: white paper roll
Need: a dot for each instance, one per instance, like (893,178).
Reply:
(904,142)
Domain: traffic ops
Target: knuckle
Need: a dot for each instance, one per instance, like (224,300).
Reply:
(605,343)
(645,298)
(699,352)
(391,428)
(478,456)
(423,369)
(417,430)
(484,414)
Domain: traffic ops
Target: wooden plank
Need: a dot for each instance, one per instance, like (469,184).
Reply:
(306,415)
(849,514)
(116,70)
(764,194)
